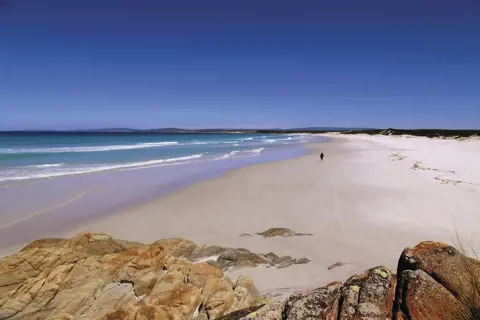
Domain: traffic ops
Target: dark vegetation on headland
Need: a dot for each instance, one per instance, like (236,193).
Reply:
(430,133)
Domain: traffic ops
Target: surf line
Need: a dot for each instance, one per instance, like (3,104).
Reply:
(26,183)
(37,213)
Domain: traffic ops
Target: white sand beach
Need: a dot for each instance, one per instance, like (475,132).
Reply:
(371,197)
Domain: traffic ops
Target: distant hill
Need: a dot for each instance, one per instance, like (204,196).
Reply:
(414,132)
(328,129)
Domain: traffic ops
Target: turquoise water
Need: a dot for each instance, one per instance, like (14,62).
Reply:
(98,175)
(34,156)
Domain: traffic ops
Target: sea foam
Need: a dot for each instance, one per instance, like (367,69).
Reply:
(228,155)
(90,169)
(90,149)
(256,151)
(47,165)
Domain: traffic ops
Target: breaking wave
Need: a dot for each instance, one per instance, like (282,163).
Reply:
(26,173)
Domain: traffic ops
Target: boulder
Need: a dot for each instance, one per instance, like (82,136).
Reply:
(316,304)
(93,276)
(225,258)
(421,297)
(335,265)
(280,232)
(436,280)
(302,260)
(364,296)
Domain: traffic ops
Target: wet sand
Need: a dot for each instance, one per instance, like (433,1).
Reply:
(34,209)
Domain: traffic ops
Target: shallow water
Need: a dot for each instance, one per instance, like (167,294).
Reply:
(32,156)
(35,208)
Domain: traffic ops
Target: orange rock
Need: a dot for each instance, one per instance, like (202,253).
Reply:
(436,281)
(93,276)
(422,298)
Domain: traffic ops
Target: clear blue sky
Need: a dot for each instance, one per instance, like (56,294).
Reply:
(239,63)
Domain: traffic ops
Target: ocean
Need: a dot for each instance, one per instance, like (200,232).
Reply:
(34,156)
(54,182)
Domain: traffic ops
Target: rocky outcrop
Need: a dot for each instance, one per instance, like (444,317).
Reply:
(363,296)
(281,232)
(93,276)
(335,265)
(226,258)
(435,281)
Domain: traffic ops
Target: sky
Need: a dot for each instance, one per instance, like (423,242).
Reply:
(82,64)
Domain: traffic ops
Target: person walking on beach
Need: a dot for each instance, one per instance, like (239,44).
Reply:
(321,156)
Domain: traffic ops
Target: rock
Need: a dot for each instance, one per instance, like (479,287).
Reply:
(270,311)
(421,297)
(349,304)
(284,262)
(364,296)
(302,260)
(278,232)
(245,235)
(436,279)
(312,305)
(178,247)
(367,296)
(245,289)
(222,257)
(239,258)
(375,294)
(281,232)
(335,265)
(215,264)
(46,242)
(93,276)
(240,314)
(271,256)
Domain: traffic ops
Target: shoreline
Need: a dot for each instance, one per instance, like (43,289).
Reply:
(69,190)
(364,204)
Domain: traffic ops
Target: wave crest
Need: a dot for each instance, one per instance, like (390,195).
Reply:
(104,167)
(90,149)
(47,165)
